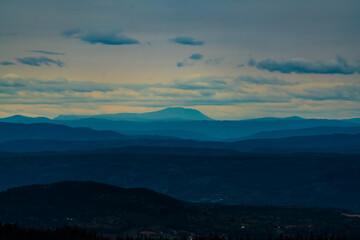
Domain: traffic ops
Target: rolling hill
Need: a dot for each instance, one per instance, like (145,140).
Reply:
(109,209)
(50,137)
(16,131)
(305,132)
(192,124)
(201,175)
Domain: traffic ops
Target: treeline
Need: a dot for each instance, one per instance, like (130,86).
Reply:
(10,231)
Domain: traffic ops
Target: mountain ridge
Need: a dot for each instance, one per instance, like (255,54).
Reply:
(204,130)
(16,131)
(167,114)
(304,132)
(341,143)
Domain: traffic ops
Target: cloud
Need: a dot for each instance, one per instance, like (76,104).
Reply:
(265,81)
(180,64)
(187,41)
(105,38)
(348,92)
(251,62)
(303,66)
(190,61)
(207,83)
(214,61)
(196,56)
(70,33)
(7,63)
(196,91)
(13,84)
(209,91)
(47,52)
(39,61)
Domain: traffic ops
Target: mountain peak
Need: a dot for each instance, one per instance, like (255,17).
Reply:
(176,113)
(167,114)
(24,119)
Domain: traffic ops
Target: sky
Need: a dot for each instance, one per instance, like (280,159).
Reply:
(229,59)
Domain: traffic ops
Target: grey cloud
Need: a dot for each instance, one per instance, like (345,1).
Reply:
(185,63)
(300,65)
(339,92)
(39,61)
(47,52)
(180,64)
(197,84)
(187,41)
(220,84)
(265,81)
(198,91)
(251,62)
(200,84)
(14,85)
(196,56)
(7,63)
(70,33)
(214,61)
(105,38)
(190,60)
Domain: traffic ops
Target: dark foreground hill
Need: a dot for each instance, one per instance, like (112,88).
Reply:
(109,209)
(202,175)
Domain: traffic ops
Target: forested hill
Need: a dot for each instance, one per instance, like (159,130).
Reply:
(109,209)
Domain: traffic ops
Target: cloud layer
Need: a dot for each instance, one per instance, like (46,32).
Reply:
(14,84)
(47,52)
(190,61)
(188,41)
(196,91)
(270,96)
(214,61)
(40,61)
(196,56)
(303,66)
(6,63)
(105,38)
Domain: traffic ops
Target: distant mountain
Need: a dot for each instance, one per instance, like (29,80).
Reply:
(24,119)
(305,132)
(16,131)
(109,209)
(353,120)
(170,133)
(337,143)
(276,119)
(197,130)
(342,143)
(215,130)
(167,114)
